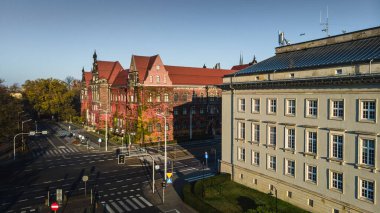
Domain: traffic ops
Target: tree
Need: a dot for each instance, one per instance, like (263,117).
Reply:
(51,97)
(9,109)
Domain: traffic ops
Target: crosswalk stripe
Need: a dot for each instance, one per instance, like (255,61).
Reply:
(138,202)
(70,149)
(75,149)
(109,208)
(116,207)
(144,200)
(130,203)
(124,206)
(50,152)
(56,152)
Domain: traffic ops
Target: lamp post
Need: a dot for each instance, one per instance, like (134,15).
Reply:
(275,192)
(22,130)
(18,121)
(165,168)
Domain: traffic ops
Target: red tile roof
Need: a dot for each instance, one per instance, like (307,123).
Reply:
(121,79)
(143,64)
(87,78)
(109,70)
(196,76)
(240,67)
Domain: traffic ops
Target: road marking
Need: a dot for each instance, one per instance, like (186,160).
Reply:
(124,206)
(192,179)
(107,183)
(112,189)
(64,150)
(109,208)
(119,181)
(116,206)
(137,201)
(131,204)
(144,200)
(112,194)
(39,197)
(22,200)
(47,181)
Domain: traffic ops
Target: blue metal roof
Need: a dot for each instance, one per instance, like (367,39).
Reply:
(335,54)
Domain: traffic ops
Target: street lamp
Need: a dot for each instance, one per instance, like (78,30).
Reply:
(24,133)
(275,192)
(163,116)
(22,130)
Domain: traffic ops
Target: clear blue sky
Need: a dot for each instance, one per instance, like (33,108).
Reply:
(56,38)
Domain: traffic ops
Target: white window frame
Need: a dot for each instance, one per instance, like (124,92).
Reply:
(336,147)
(255,158)
(368,111)
(241,130)
(334,108)
(288,138)
(272,141)
(290,109)
(272,162)
(158,79)
(308,146)
(255,105)
(336,183)
(151,78)
(241,105)
(165,81)
(150,99)
(255,132)
(241,154)
(368,152)
(272,106)
(310,173)
(311,108)
(158,98)
(166,97)
(289,167)
(367,190)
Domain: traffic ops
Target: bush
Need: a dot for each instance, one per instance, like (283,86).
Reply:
(192,200)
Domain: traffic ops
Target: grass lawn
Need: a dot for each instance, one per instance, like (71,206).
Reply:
(223,195)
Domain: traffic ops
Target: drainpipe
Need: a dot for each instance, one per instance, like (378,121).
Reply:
(370,64)
(232,127)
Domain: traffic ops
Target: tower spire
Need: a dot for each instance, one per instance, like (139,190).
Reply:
(95,56)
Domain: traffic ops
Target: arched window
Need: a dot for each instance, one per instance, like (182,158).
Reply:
(150,99)
(184,97)
(158,98)
(164,79)
(158,127)
(150,127)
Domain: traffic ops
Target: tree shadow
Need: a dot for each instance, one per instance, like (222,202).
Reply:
(247,203)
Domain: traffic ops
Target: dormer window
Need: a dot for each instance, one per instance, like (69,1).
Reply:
(338,72)
(158,67)
(158,79)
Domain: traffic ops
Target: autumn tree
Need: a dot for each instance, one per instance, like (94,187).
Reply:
(51,97)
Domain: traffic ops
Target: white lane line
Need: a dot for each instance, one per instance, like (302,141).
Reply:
(130,203)
(192,179)
(39,197)
(119,181)
(109,208)
(144,200)
(75,149)
(124,206)
(56,152)
(116,207)
(48,153)
(22,200)
(137,201)
(112,189)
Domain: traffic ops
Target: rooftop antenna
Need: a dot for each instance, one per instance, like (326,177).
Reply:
(325,25)
(282,41)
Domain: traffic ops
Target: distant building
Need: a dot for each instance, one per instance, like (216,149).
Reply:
(305,122)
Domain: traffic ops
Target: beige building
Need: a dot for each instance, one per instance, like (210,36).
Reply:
(305,123)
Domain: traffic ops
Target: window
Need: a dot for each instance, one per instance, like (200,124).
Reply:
(158,98)
(165,81)
(336,180)
(291,75)
(289,194)
(338,72)
(202,111)
(175,97)
(193,110)
(132,98)
(367,189)
(311,173)
(241,130)
(158,67)
(255,158)
(290,166)
(257,78)
(158,127)
(272,162)
(291,107)
(255,105)
(337,109)
(167,127)
(272,106)
(150,128)
(150,99)
(311,142)
(312,108)
(255,133)
(367,153)
(158,79)
(184,97)
(310,202)
(166,97)
(151,79)
(184,111)
(368,110)
(337,146)
(241,106)
(335,211)
(175,111)
(290,137)
(241,153)
(272,135)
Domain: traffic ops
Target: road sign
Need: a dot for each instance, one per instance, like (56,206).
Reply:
(85,178)
(157,167)
(54,206)
(59,195)
(121,159)
(169,180)
(169,174)
(206,155)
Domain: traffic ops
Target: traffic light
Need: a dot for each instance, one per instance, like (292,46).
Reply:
(163,184)
(121,159)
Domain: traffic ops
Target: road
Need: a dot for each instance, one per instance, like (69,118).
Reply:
(55,163)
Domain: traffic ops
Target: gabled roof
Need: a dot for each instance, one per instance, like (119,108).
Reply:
(356,51)
(240,67)
(109,70)
(196,76)
(143,64)
(87,78)
(121,79)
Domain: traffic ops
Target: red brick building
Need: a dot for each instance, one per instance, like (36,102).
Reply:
(187,96)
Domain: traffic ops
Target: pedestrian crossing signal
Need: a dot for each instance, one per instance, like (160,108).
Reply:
(121,159)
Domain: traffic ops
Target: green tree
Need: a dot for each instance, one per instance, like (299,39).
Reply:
(10,106)
(51,97)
